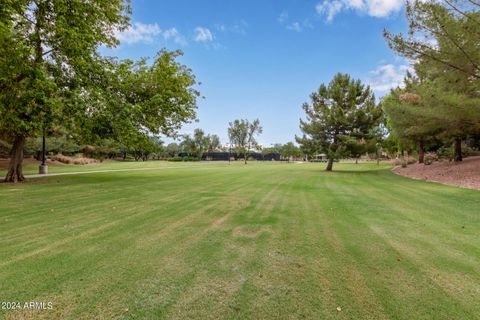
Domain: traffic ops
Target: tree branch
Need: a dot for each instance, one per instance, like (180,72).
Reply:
(475,66)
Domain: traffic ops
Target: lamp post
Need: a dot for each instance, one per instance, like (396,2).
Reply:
(229,152)
(43,169)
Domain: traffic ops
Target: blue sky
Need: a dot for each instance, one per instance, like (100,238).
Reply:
(262,59)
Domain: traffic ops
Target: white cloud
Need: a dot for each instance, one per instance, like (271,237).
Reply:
(329,8)
(139,32)
(239,28)
(283,17)
(374,8)
(387,76)
(203,35)
(383,8)
(295,26)
(177,37)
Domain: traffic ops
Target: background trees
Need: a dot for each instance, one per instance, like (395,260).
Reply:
(199,143)
(340,116)
(242,135)
(290,150)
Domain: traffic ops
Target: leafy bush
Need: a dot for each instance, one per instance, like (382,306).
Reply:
(447,153)
(190,159)
(186,158)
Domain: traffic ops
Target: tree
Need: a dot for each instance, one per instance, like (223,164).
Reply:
(213,143)
(443,38)
(131,101)
(172,150)
(242,134)
(42,42)
(290,150)
(410,116)
(444,33)
(51,72)
(145,146)
(307,146)
(343,111)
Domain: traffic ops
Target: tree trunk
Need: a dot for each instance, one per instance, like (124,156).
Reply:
(458,150)
(356,160)
(245,155)
(329,164)
(421,151)
(15,173)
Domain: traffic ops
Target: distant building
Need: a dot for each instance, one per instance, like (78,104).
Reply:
(320,156)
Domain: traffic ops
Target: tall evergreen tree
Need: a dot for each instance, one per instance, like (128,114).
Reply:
(410,116)
(443,38)
(342,112)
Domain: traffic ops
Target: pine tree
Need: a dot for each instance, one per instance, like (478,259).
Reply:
(443,38)
(339,114)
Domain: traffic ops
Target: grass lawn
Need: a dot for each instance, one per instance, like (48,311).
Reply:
(263,241)
(31,166)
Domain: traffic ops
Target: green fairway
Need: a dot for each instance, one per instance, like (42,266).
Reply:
(31,167)
(261,241)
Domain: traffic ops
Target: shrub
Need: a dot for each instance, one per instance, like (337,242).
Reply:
(447,153)
(77,161)
(175,159)
(411,161)
(430,158)
(190,158)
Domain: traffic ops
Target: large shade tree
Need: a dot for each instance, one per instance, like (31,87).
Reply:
(340,115)
(51,72)
(42,41)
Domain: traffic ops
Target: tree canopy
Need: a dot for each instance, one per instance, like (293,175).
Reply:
(242,134)
(443,42)
(340,116)
(52,73)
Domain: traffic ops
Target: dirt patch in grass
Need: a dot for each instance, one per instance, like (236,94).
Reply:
(463,174)
(207,298)
(231,204)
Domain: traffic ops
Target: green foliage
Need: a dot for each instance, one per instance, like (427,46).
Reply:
(448,152)
(51,73)
(43,43)
(199,143)
(172,150)
(136,99)
(443,40)
(242,135)
(340,118)
(444,36)
(290,150)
